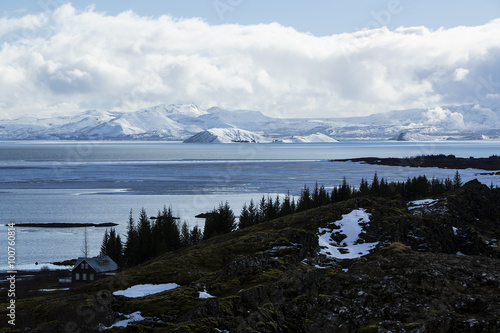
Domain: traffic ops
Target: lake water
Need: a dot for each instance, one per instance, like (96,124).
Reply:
(101,181)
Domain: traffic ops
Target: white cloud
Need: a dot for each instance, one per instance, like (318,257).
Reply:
(69,60)
(460,74)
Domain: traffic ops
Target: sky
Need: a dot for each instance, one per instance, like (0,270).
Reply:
(284,58)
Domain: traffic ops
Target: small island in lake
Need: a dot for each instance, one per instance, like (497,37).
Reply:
(65,225)
(428,161)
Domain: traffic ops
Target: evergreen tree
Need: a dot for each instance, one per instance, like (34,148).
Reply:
(305,201)
(457,181)
(253,215)
(363,187)
(261,215)
(277,207)
(104,244)
(448,184)
(315,196)
(118,250)
(375,188)
(437,186)
(244,218)
(323,198)
(131,244)
(145,250)
(293,205)
(196,235)
(286,207)
(112,245)
(226,218)
(165,232)
(219,221)
(344,192)
(185,235)
(334,197)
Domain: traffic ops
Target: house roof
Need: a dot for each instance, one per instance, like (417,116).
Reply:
(99,264)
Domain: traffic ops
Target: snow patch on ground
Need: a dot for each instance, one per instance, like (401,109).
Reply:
(421,203)
(60,289)
(352,246)
(142,290)
(130,318)
(204,295)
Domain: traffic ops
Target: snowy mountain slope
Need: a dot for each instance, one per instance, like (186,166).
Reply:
(180,122)
(219,118)
(311,138)
(225,135)
(143,123)
(178,111)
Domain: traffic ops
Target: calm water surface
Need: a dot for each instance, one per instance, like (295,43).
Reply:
(101,181)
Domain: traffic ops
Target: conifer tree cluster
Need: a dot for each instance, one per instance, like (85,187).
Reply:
(146,239)
(413,188)
(219,221)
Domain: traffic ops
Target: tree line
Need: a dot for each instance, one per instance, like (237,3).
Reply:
(411,189)
(150,237)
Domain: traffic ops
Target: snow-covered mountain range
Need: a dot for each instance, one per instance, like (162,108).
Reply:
(190,123)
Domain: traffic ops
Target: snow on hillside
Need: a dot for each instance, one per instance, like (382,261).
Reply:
(225,135)
(142,290)
(248,120)
(351,246)
(312,138)
(187,110)
(182,121)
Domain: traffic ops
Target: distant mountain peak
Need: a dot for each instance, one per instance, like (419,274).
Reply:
(225,135)
(181,121)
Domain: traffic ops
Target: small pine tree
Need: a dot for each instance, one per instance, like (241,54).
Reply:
(131,243)
(305,201)
(253,215)
(244,220)
(286,207)
(185,235)
(375,188)
(104,244)
(196,235)
(145,250)
(323,198)
(457,180)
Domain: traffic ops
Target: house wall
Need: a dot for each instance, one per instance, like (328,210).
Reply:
(83,273)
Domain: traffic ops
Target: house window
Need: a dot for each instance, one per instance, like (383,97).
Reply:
(91,277)
(84,276)
(77,276)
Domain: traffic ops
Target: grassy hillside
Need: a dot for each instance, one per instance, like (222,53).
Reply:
(436,268)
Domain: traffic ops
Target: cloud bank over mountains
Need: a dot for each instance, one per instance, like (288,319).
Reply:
(68,60)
